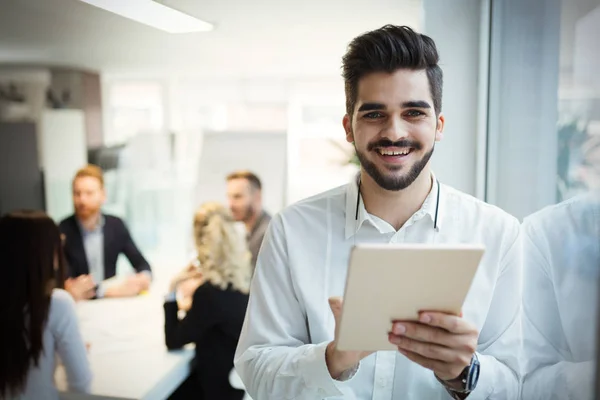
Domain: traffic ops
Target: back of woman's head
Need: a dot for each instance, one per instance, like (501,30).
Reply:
(222,250)
(31,265)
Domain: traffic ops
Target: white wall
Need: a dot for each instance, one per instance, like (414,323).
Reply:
(192,106)
(62,139)
(455,27)
(315,132)
(586,56)
(262,153)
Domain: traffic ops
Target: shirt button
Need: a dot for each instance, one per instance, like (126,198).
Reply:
(381,382)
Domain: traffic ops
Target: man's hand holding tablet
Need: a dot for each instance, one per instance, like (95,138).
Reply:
(339,363)
(387,289)
(440,342)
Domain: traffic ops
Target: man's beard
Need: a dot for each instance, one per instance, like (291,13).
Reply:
(86,212)
(394,183)
(249,213)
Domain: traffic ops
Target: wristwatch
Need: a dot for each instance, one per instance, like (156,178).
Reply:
(466,382)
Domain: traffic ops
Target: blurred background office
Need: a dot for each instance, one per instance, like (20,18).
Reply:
(169,114)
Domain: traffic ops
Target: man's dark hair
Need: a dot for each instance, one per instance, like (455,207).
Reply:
(388,49)
(249,176)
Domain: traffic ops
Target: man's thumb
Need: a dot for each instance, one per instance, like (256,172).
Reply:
(335,303)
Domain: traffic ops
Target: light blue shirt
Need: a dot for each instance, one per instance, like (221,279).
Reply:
(93,244)
(560,291)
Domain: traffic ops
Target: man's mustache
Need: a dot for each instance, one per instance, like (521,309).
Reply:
(398,143)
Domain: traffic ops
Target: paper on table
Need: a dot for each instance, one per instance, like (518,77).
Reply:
(120,325)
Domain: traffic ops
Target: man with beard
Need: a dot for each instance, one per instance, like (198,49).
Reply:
(244,193)
(288,349)
(93,242)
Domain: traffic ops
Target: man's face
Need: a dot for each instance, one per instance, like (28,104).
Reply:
(88,196)
(244,201)
(394,126)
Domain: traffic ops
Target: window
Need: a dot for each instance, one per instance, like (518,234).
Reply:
(133,108)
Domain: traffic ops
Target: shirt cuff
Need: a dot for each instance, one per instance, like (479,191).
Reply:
(100,291)
(487,373)
(147,273)
(318,376)
(170,297)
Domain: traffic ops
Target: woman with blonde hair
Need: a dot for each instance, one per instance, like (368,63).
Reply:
(215,317)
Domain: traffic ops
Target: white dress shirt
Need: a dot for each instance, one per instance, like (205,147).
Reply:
(561,247)
(303,261)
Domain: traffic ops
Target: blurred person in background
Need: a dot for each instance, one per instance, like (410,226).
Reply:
(38,319)
(561,261)
(93,242)
(215,316)
(189,280)
(244,193)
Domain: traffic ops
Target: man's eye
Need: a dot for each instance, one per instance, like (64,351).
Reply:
(414,113)
(373,115)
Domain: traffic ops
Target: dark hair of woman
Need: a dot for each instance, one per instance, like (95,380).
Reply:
(31,266)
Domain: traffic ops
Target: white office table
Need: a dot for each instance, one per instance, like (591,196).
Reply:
(128,356)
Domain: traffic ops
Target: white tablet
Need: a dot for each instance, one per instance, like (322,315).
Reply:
(387,282)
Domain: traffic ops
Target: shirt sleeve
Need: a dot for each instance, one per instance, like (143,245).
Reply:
(547,374)
(203,314)
(69,342)
(100,291)
(275,358)
(500,336)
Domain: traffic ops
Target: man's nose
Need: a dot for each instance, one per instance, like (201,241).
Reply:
(395,129)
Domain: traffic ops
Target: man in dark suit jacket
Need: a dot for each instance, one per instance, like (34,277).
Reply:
(93,242)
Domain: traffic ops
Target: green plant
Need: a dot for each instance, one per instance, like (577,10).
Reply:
(571,135)
(354,159)
(350,157)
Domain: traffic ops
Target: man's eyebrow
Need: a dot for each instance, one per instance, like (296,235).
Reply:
(406,104)
(372,107)
(416,104)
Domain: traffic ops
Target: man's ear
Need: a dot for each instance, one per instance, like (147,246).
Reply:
(439,129)
(347,123)
(259,195)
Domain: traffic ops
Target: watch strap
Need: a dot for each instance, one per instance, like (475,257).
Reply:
(466,382)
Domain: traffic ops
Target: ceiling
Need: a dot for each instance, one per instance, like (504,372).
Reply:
(252,38)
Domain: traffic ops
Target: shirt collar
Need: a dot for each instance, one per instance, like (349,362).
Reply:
(96,228)
(354,221)
(257,223)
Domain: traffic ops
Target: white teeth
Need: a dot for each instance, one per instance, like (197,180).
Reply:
(385,152)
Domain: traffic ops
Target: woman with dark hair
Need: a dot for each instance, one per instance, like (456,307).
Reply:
(38,319)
